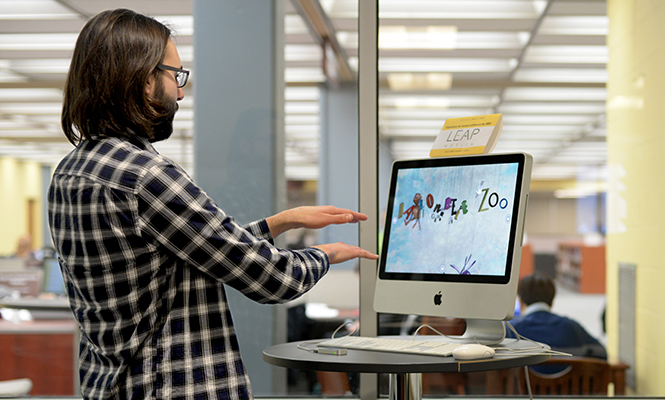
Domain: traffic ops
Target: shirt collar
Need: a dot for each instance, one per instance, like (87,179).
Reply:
(142,143)
(540,306)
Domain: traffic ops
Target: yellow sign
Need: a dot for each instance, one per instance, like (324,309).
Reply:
(468,135)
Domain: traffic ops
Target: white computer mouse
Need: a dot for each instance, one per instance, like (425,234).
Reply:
(473,351)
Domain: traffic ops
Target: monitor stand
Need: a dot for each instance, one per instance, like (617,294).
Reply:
(483,331)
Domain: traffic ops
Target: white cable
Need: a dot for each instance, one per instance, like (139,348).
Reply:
(355,328)
(441,334)
(537,346)
(528,383)
(301,347)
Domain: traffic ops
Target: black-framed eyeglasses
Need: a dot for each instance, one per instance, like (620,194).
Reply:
(181,75)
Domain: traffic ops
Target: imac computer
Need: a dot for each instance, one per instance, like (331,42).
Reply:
(453,240)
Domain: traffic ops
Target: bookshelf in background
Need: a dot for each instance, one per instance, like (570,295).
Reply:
(581,268)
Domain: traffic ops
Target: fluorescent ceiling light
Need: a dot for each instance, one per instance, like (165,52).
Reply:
(539,128)
(437,101)
(411,81)
(35,9)
(553,94)
(415,102)
(566,54)
(575,25)
(185,126)
(489,9)
(346,39)
(413,144)
(7,76)
(37,41)
(303,52)
(311,146)
(302,120)
(13,124)
(429,113)
(187,102)
(31,108)
(576,193)
(40,66)
(353,63)
(294,25)
(311,75)
(184,114)
(25,133)
(524,144)
(463,40)
(430,37)
(30,94)
(302,93)
(340,8)
(597,132)
(302,129)
(582,148)
(572,75)
(545,119)
(302,107)
(552,108)
(554,171)
(531,136)
(492,40)
(582,189)
(417,123)
(304,137)
(44,119)
(433,64)
(302,173)
(406,132)
(182,25)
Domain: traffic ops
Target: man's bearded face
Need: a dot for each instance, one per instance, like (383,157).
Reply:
(168,107)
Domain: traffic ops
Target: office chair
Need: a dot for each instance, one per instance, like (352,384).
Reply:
(15,387)
(333,383)
(581,376)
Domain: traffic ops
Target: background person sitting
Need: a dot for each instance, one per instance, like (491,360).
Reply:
(26,252)
(536,293)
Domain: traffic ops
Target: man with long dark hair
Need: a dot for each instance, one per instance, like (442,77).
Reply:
(144,252)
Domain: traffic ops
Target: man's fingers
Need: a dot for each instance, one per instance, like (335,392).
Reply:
(340,252)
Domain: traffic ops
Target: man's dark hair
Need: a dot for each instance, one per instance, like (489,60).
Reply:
(537,287)
(115,54)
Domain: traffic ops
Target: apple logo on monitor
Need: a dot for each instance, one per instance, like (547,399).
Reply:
(437,299)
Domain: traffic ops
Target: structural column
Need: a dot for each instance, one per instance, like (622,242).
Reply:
(636,216)
(238,143)
(338,176)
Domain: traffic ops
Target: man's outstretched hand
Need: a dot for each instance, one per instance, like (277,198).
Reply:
(340,252)
(319,217)
(315,217)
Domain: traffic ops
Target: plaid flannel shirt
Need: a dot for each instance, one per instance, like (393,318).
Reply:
(145,255)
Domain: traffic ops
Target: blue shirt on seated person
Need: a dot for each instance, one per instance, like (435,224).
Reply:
(537,322)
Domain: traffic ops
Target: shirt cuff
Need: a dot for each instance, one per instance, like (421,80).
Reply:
(260,230)
(321,253)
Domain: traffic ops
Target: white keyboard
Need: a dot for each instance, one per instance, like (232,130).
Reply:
(423,347)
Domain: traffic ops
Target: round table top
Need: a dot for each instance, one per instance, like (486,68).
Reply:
(289,355)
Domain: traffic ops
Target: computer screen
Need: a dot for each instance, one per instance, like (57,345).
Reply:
(452,237)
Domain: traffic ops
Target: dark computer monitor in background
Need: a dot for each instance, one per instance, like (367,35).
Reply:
(453,238)
(53,281)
